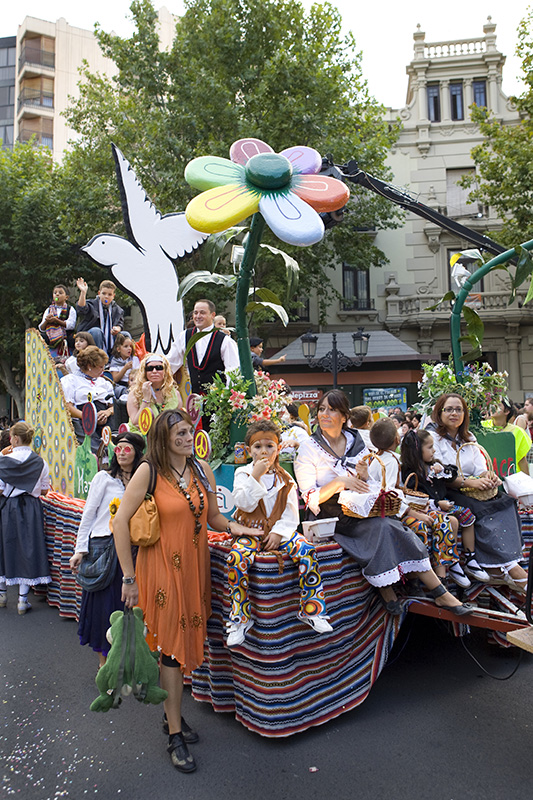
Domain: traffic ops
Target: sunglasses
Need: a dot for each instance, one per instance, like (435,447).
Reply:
(156,367)
(123,448)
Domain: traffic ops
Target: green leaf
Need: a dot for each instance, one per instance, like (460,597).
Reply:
(195,338)
(474,324)
(276,307)
(529,295)
(473,355)
(215,245)
(292,270)
(444,299)
(268,296)
(203,276)
(524,268)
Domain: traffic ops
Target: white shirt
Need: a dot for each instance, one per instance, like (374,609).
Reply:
(76,388)
(96,514)
(71,319)
(364,433)
(472,460)
(314,467)
(292,438)
(21,454)
(247,492)
(228,351)
(72,365)
(392,476)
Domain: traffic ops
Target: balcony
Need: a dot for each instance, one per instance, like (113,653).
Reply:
(357,308)
(40,139)
(492,306)
(33,98)
(33,60)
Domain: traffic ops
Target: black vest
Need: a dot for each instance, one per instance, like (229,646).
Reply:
(211,363)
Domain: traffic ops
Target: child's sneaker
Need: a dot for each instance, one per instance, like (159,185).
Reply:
(317,623)
(474,571)
(23,605)
(237,632)
(3,599)
(455,572)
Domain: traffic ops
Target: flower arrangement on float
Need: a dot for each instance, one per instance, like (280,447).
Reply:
(481,387)
(232,409)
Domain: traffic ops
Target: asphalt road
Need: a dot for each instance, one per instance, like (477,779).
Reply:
(434,727)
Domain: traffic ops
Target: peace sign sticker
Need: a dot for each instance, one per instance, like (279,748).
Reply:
(145,420)
(88,418)
(193,406)
(202,444)
(106,435)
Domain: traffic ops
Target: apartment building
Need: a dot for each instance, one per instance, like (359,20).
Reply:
(8,47)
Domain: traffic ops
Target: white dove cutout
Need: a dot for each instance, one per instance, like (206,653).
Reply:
(142,265)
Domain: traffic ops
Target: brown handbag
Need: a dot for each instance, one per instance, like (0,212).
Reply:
(144,525)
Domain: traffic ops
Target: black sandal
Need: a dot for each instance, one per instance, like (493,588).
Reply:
(394,607)
(459,611)
(179,753)
(189,736)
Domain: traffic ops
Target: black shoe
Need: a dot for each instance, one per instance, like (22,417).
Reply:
(189,736)
(459,611)
(179,753)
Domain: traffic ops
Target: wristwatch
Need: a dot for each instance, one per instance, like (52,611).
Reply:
(128,581)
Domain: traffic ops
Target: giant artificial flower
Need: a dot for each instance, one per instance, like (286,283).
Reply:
(284,187)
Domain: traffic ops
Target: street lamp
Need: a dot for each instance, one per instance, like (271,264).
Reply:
(335,361)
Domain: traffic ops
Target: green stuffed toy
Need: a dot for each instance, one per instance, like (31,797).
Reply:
(119,676)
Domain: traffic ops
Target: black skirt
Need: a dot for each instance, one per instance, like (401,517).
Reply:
(23,556)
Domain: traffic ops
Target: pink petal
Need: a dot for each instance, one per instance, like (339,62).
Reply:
(243,149)
(321,192)
(303,159)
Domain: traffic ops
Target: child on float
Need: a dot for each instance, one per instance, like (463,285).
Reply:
(123,360)
(82,340)
(418,457)
(362,419)
(59,320)
(435,529)
(265,497)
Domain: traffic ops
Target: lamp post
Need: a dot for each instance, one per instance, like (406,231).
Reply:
(335,361)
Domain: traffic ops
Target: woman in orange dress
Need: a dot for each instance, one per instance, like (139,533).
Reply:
(173,582)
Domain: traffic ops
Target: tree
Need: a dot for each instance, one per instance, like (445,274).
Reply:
(33,253)
(236,68)
(504,160)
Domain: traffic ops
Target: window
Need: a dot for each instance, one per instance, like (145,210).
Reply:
(433,93)
(456,101)
(479,90)
(356,289)
(456,196)
(6,135)
(302,311)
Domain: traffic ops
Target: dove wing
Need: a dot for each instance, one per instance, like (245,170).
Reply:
(147,228)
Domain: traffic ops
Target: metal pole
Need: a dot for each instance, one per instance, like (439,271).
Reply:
(335,369)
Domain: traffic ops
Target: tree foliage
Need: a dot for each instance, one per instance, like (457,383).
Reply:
(237,68)
(504,160)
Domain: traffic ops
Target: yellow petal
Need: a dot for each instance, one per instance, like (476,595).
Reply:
(220,208)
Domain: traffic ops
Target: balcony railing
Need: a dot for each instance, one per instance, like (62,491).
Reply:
(357,304)
(35,98)
(415,305)
(42,139)
(37,57)
(461,47)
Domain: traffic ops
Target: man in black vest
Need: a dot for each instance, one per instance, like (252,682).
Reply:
(213,354)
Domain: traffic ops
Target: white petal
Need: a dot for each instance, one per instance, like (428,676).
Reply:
(291,219)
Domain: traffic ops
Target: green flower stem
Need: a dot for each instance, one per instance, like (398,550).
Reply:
(242,299)
(457,310)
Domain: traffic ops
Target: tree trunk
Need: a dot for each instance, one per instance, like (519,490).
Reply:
(7,378)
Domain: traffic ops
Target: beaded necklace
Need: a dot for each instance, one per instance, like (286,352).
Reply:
(196,512)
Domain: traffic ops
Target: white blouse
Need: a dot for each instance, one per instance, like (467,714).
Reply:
(96,515)
(21,454)
(315,467)
(76,389)
(472,460)
(247,492)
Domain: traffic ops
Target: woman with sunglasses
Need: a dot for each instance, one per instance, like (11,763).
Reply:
(497,526)
(153,388)
(93,536)
(173,580)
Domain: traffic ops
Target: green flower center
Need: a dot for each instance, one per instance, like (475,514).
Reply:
(269,171)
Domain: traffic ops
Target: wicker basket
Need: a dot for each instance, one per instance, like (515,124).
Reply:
(477,494)
(413,497)
(388,502)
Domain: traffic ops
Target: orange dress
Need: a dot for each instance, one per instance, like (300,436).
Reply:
(174,578)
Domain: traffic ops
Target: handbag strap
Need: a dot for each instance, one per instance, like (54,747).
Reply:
(153,479)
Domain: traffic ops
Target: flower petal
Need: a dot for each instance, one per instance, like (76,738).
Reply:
(243,149)
(207,172)
(303,159)
(291,219)
(220,208)
(321,192)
